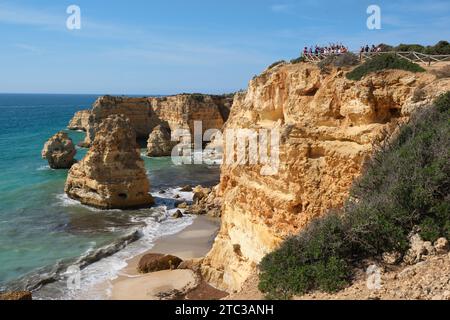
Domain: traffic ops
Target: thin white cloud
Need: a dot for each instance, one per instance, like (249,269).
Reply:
(56,21)
(432,6)
(158,47)
(28,48)
(26,16)
(280,8)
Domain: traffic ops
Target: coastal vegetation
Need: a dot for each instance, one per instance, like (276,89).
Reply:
(347,59)
(273,65)
(383,62)
(442,47)
(404,187)
(298,60)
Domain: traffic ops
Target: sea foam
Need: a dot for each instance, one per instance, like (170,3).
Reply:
(108,261)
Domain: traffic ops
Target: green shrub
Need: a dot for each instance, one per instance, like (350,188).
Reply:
(273,65)
(410,47)
(304,262)
(383,62)
(342,60)
(443,102)
(385,47)
(298,60)
(442,47)
(198,97)
(405,184)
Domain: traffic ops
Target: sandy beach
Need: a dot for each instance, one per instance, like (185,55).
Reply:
(193,242)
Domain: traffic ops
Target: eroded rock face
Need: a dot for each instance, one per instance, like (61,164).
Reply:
(328,126)
(181,111)
(135,109)
(59,151)
(178,112)
(80,120)
(159,142)
(153,262)
(112,174)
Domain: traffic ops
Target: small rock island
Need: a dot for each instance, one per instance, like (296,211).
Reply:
(59,151)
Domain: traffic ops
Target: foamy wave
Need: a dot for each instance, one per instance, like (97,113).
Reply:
(104,264)
(44,168)
(172,193)
(52,277)
(66,201)
(94,278)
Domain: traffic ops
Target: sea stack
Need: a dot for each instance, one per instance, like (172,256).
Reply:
(159,142)
(112,174)
(59,151)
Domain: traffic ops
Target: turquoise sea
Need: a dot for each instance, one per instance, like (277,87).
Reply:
(42,232)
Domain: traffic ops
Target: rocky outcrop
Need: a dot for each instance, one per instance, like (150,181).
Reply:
(153,262)
(59,151)
(136,110)
(419,249)
(80,121)
(159,142)
(192,264)
(18,296)
(205,202)
(112,174)
(328,126)
(176,112)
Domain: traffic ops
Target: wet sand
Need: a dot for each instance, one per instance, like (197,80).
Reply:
(193,242)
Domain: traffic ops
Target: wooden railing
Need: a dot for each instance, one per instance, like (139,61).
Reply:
(412,56)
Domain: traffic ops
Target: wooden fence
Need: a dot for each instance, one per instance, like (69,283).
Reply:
(412,56)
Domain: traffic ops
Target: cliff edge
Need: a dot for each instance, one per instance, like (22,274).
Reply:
(329,126)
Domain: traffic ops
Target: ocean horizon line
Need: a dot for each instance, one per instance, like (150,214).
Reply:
(110,94)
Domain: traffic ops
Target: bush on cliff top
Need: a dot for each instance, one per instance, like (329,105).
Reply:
(383,62)
(442,47)
(339,60)
(273,65)
(298,60)
(406,184)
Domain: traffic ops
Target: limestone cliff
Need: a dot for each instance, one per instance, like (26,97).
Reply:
(136,110)
(176,112)
(112,174)
(80,120)
(328,126)
(182,110)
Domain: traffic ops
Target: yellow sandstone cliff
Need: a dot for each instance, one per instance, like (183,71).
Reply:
(146,113)
(329,126)
(80,120)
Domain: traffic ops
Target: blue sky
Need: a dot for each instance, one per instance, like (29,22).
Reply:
(172,46)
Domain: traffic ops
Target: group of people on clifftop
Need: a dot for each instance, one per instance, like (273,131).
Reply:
(336,48)
(367,48)
(333,48)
